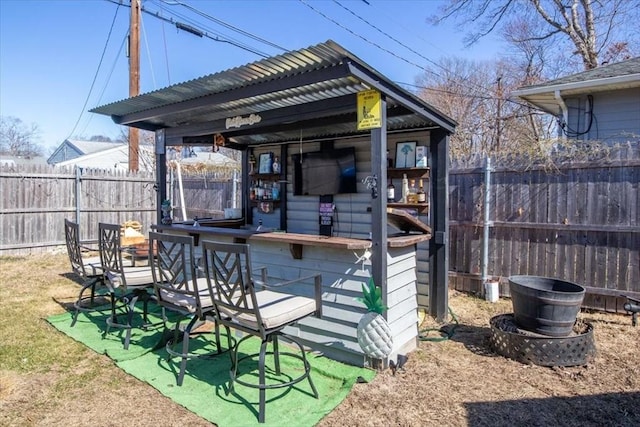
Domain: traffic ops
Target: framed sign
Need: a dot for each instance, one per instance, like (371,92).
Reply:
(369,110)
(265,163)
(406,154)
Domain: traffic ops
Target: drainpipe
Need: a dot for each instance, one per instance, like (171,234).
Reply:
(564,110)
(487,223)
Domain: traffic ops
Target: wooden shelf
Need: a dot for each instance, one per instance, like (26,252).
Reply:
(257,202)
(266,176)
(411,172)
(421,207)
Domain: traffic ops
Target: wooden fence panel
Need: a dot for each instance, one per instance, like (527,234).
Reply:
(35,200)
(580,223)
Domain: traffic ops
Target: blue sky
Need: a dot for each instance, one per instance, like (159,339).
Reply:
(50,50)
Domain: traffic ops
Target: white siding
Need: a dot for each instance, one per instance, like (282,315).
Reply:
(342,280)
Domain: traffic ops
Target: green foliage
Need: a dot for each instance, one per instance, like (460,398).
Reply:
(372,297)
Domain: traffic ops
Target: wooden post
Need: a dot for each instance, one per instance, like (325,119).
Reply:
(379,204)
(134,78)
(439,244)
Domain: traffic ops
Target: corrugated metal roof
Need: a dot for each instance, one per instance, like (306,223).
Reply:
(287,86)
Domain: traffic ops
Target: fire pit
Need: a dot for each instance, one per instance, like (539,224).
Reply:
(508,340)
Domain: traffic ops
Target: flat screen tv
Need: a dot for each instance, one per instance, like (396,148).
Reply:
(325,172)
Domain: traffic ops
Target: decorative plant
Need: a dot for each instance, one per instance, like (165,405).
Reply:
(406,149)
(374,334)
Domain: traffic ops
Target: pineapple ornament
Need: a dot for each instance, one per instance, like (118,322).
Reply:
(374,334)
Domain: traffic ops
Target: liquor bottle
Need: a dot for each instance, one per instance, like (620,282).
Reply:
(412,196)
(422,196)
(252,191)
(405,188)
(259,190)
(391,192)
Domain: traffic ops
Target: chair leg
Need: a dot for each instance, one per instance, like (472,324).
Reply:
(185,349)
(261,374)
(276,354)
(91,285)
(233,355)
(112,319)
(307,367)
(130,309)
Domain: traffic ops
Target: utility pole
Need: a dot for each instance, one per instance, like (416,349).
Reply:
(499,113)
(134,78)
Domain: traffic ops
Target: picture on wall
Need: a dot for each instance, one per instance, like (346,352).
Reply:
(406,154)
(265,163)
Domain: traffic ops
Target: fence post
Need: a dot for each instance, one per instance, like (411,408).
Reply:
(78,192)
(486,224)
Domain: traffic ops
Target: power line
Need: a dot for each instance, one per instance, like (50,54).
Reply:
(146,44)
(106,83)
(198,29)
(225,24)
(95,76)
(422,68)
(201,32)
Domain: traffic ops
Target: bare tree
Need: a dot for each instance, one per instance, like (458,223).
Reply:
(476,95)
(147,139)
(585,29)
(18,138)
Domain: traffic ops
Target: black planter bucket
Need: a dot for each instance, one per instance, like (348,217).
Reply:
(545,306)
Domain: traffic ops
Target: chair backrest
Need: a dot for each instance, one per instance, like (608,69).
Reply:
(175,278)
(72,238)
(228,270)
(111,251)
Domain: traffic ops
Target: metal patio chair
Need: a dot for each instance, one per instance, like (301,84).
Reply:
(179,288)
(260,313)
(127,285)
(89,270)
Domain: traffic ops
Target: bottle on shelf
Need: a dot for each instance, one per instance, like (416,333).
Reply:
(252,191)
(259,190)
(422,196)
(405,188)
(391,192)
(412,195)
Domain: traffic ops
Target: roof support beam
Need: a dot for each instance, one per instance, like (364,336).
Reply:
(372,80)
(319,109)
(137,119)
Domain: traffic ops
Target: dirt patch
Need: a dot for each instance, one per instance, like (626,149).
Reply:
(455,382)
(461,382)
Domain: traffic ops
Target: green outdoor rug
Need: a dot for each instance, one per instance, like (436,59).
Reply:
(206,379)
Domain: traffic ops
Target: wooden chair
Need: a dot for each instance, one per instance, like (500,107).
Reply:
(89,270)
(259,313)
(179,288)
(127,284)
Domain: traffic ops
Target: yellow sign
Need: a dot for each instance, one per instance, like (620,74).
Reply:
(369,111)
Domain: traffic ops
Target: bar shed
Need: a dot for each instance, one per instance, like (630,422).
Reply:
(321,134)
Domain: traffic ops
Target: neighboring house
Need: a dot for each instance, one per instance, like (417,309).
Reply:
(601,104)
(7,160)
(73,148)
(99,155)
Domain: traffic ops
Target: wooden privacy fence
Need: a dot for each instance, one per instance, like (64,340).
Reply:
(579,223)
(35,200)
